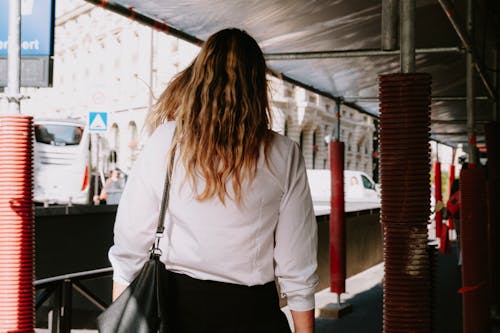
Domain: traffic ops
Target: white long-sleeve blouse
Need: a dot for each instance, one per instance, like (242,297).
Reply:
(273,233)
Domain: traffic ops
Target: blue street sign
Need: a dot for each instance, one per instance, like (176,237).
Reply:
(37,27)
(98,121)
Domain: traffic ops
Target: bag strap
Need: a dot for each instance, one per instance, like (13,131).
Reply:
(165,197)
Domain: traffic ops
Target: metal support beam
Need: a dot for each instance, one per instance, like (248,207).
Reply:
(389,33)
(407,35)
(374,99)
(337,115)
(91,297)
(449,133)
(457,98)
(14,57)
(455,121)
(129,13)
(354,53)
(469,73)
(62,308)
(465,38)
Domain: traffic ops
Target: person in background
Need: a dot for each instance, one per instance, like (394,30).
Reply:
(452,210)
(240,212)
(113,188)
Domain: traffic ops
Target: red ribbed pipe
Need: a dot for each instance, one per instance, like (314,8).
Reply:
(404,170)
(492,134)
(16,225)
(337,219)
(438,197)
(473,239)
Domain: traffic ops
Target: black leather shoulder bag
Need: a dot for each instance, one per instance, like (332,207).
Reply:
(142,307)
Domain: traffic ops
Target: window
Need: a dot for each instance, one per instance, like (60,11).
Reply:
(132,127)
(133,143)
(367,183)
(315,149)
(115,137)
(58,135)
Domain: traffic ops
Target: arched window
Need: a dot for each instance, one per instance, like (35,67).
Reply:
(132,129)
(315,149)
(115,137)
(114,144)
(133,142)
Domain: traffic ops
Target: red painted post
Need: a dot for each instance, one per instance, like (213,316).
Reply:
(438,197)
(474,244)
(492,135)
(451,178)
(337,221)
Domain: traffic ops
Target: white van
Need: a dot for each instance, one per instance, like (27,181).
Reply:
(358,187)
(62,162)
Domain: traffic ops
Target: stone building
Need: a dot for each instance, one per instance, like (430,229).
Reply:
(106,62)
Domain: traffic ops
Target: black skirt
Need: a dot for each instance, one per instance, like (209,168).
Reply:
(199,306)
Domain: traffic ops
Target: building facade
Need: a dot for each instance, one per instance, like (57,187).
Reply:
(106,62)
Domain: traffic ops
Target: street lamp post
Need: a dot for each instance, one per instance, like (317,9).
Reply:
(14,57)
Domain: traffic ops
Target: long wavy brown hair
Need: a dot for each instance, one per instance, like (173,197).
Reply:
(221,106)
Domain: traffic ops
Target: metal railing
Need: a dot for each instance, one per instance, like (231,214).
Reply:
(61,287)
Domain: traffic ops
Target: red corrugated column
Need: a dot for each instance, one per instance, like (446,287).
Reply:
(337,221)
(404,168)
(438,197)
(16,225)
(492,132)
(474,240)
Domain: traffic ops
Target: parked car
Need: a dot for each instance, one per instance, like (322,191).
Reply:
(358,186)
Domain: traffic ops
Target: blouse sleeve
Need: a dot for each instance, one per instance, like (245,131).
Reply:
(296,237)
(138,211)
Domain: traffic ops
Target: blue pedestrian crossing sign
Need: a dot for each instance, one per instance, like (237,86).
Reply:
(98,121)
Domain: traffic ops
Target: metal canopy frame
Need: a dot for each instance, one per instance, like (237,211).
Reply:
(338,49)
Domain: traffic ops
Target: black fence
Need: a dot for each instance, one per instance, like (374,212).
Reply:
(73,277)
